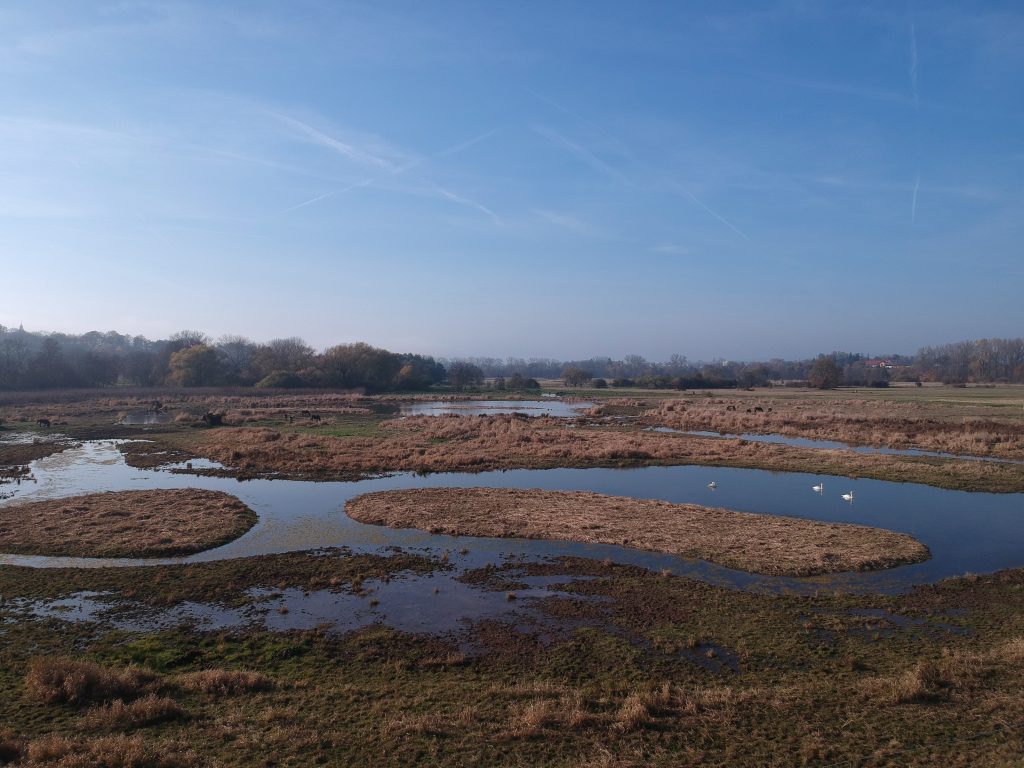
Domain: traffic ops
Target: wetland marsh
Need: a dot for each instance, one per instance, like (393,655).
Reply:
(649,654)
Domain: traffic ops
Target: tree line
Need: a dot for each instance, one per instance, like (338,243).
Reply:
(979,361)
(192,359)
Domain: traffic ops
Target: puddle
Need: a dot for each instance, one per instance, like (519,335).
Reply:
(136,418)
(548,407)
(434,604)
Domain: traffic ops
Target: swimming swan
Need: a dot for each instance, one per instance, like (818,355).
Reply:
(848,496)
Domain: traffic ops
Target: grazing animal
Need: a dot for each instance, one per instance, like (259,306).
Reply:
(289,418)
(213,419)
(848,496)
(758,409)
(315,417)
(43,422)
(748,410)
(307,414)
(730,407)
(819,487)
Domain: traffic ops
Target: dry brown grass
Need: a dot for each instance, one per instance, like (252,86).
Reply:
(124,524)
(759,543)
(504,441)
(115,751)
(11,746)
(882,423)
(640,708)
(225,681)
(931,680)
(58,680)
(148,710)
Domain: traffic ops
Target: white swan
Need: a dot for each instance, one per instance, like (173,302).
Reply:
(818,488)
(712,485)
(848,496)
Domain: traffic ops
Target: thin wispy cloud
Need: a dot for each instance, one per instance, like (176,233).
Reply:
(671,249)
(709,209)
(845,89)
(390,168)
(581,152)
(447,194)
(600,165)
(567,221)
(913,200)
(325,195)
(344,148)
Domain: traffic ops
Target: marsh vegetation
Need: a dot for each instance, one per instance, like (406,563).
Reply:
(579,661)
(770,544)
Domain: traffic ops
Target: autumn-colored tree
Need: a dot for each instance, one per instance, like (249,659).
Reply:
(196,366)
(825,374)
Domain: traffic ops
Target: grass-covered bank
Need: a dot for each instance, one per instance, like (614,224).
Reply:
(769,544)
(159,523)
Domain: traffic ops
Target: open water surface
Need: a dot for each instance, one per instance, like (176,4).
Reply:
(966,532)
(547,407)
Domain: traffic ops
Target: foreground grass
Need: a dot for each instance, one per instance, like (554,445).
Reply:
(770,544)
(660,671)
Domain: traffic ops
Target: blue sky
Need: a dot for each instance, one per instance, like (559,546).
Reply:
(737,180)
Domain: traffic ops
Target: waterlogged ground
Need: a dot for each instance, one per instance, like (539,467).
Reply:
(549,407)
(966,532)
(410,648)
(807,442)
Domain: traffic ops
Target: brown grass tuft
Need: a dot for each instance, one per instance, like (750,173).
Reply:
(639,708)
(148,710)
(224,681)
(115,751)
(57,680)
(11,746)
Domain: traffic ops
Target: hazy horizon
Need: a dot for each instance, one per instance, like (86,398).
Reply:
(561,181)
(618,355)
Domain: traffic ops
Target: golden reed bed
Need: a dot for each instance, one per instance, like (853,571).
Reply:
(124,524)
(768,544)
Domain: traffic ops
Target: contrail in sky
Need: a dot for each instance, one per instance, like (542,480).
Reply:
(391,169)
(710,210)
(913,200)
(598,164)
(325,195)
(449,195)
(582,153)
